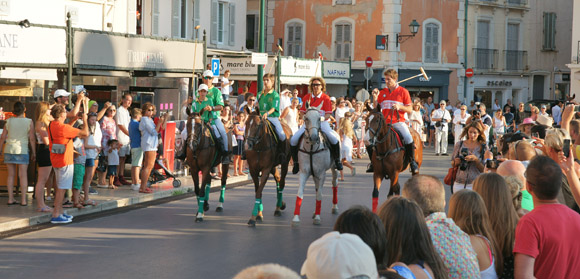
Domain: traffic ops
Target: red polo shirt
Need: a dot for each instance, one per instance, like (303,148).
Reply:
(322,102)
(387,98)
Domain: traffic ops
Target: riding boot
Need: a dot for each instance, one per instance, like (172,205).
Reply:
(410,151)
(281,152)
(294,153)
(335,148)
(370,168)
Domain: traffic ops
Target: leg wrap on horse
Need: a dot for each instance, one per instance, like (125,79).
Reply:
(261,206)
(200,203)
(318,207)
(375,199)
(278,196)
(256,207)
(223,193)
(298,205)
(207,187)
(334,195)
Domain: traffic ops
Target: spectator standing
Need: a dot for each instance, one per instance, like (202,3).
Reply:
(136,151)
(430,107)
(522,200)
(18,133)
(80,159)
(416,118)
(250,103)
(109,131)
(452,244)
(290,115)
(543,110)
(226,86)
(535,112)
(61,156)
(441,119)
(557,113)
(470,165)
(546,245)
(520,114)
(113,161)
(122,119)
(43,118)
(94,108)
(284,99)
(496,106)
(346,137)
(359,123)
(509,105)
(295,95)
(149,142)
(472,106)
(499,124)
(343,106)
(239,130)
(92,149)
(486,120)
(509,120)
(459,122)
(62,97)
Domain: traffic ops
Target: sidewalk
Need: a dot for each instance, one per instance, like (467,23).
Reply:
(17,217)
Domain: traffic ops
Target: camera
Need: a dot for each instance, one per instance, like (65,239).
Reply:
(493,163)
(437,124)
(463,164)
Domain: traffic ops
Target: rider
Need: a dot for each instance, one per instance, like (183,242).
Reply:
(397,98)
(317,98)
(215,95)
(203,105)
(269,104)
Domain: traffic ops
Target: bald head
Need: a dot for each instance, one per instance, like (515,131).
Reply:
(427,191)
(525,151)
(512,168)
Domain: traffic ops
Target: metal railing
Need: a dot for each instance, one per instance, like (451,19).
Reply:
(515,60)
(485,58)
(516,2)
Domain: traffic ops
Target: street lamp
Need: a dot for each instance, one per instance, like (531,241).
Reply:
(414,28)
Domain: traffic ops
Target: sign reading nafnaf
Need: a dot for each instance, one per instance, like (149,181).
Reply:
(113,51)
(300,67)
(33,45)
(333,69)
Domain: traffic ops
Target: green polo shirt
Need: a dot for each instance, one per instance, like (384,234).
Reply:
(269,101)
(215,95)
(198,106)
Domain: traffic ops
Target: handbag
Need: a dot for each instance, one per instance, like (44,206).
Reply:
(451,175)
(56,147)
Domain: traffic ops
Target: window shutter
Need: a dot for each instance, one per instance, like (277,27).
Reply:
(435,43)
(298,40)
(155,19)
(175,18)
(214,22)
(338,41)
(553,31)
(428,38)
(290,39)
(196,20)
(347,41)
(232,27)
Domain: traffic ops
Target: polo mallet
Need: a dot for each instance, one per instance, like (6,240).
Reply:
(423,74)
(318,62)
(194,56)
(280,49)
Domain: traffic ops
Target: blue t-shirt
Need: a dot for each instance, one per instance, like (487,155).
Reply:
(134,134)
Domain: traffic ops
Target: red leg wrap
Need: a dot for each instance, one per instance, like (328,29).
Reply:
(298,205)
(334,195)
(318,207)
(375,204)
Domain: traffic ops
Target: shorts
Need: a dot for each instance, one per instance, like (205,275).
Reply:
(239,148)
(111,170)
(64,177)
(90,163)
(136,157)
(17,159)
(78,176)
(43,156)
(125,150)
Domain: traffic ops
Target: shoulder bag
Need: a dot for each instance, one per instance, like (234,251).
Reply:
(56,147)
(452,172)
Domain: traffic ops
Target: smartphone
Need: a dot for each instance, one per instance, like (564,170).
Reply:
(536,135)
(494,151)
(566,148)
(576,108)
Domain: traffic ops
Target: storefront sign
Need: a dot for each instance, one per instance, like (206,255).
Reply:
(21,91)
(35,46)
(242,67)
(299,71)
(260,58)
(335,69)
(111,51)
(501,83)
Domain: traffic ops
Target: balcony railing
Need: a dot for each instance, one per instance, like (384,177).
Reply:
(485,58)
(515,60)
(516,2)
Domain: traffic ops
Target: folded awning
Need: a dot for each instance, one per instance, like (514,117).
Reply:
(103,73)
(336,81)
(294,80)
(28,73)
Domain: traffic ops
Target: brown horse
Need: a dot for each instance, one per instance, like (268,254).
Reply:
(203,155)
(389,154)
(260,148)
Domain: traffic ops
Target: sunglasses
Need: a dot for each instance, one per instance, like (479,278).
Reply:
(252,100)
(150,110)
(316,84)
(208,77)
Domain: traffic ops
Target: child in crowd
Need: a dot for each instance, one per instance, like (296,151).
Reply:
(239,128)
(113,160)
(80,158)
(347,136)
(136,151)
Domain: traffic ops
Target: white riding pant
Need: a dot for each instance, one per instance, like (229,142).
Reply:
(278,127)
(324,127)
(221,132)
(401,128)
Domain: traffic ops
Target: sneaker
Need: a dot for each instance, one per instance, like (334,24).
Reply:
(102,186)
(67,216)
(444,154)
(93,191)
(135,187)
(60,220)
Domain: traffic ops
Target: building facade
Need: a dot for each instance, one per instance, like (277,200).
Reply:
(574,63)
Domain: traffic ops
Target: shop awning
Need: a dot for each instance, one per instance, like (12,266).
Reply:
(294,80)
(336,81)
(28,73)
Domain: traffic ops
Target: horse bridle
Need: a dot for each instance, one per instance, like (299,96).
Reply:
(255,140)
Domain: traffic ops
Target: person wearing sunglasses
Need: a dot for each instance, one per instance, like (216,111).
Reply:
(317,98)
(215,95)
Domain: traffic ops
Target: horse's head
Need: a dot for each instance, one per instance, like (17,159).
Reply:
(375,122)
(254,126)
(312,124)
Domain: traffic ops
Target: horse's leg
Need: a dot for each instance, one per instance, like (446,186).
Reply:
(334,191)
(258,206)
(225,169)
(279,201)
(203,196)
(377,179)
(197,190)
(319,183)
(207,183)
(255,174)
(300,195)
(283,172)
(395,187)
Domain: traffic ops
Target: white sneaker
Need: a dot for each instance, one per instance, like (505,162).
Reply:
(135,187)
(102,186)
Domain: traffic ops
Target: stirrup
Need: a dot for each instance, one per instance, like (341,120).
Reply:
(414,167)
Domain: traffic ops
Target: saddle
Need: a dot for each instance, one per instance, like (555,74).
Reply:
(324,138)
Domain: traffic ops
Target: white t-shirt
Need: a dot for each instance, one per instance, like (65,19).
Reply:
(228,88)
(339,113)
(113,158)
(444,114)
(123,118)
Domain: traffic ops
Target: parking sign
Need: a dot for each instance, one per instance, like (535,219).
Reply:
(215,66)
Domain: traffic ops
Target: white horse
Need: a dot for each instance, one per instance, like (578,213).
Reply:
(314,159)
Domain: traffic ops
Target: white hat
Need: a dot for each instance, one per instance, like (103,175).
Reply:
(332,99)
(207,73)
(336,255)
(61,93)
(442,102)
(203,87)
(545,120)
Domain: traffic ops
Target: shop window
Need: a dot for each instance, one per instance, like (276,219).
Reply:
(549,31)
(343,2)
(431,43)
(223,15)
(342,41)
(294,39)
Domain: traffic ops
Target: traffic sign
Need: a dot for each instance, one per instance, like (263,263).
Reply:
(369,62)
(381,42)
(368,73)
(469,72)
(215,66)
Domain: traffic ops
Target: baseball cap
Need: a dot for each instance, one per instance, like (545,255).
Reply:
(336,255)
(92,103)
(202,87)
(61,93)
(207,73)
(332,99)
(442,102)
(543,106)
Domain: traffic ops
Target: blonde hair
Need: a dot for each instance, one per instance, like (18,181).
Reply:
(392,73)
(555,138)
(40,113)
(321,81)
(345,127)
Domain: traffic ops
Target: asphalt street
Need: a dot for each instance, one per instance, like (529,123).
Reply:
(163,241)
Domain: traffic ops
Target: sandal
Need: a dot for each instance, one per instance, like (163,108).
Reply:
(13,203)
(89,202)
(113,187)
(45,209)
(67,204)
(146,191)
(78,205)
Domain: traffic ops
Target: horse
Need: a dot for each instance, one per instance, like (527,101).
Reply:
(315,159)
(260,148)
(389,156)
(202,155)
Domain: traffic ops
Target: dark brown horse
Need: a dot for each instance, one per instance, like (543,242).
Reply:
(260,148)
(203,155)
(389,153)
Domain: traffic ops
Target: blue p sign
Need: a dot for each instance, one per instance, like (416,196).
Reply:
(215,67)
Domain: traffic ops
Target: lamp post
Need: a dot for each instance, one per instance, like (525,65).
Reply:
(261,47)
(414,28)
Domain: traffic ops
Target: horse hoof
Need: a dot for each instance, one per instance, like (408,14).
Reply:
(317,220)
(252,223)
(313,215)
(283,206)
(206,206)
(219,209)
(199,219)
(295,221)
(259,218)
(277,213)
(335,210)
